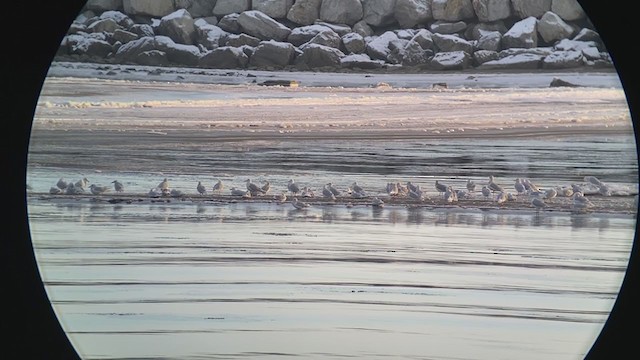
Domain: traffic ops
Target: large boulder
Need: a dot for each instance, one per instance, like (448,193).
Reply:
(318,56)
(456,60)
(90,46)
(353,43)
(378,48)
(103,5)
(409,13)
(452,10)
(451,43)
(445,27)
(474,32)
(303,34)
(482,56)
(569,10)
(304,12)
(378,12)
(524,61)
(226,7)
(424,37)
(276,9)
(327,38)
(341,11)
(523,34)
(492,10)
(489,41)
(563,60)
(242,40)
(272,54)
(258,24)
(527,8)
(587,35)
(362,28)
(551,27)
(178,26)
(104,25)
(123,36)
(339,29)
(210,36)
(128,52)
(360,61)
(156,8)
(412,54)
(230,24)
(142,30)
(181,54)
(197,8)
(225,57)
(120,18)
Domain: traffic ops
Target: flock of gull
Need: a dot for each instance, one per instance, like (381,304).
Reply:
(294,193)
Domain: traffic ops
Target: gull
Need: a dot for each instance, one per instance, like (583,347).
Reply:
(97,190)
(308,193)
(117,185)
(176,193)
(402,190)
(462,194)
(411,187)
(54,190)
(164,184)
(580,202)
(61,184)
(327,193)
(511,197)
(281,198)
(392,189)
(493,186)
(604,190)
(576,188)
(441,187)
(253,188)
(266,186)
(566,192)
(293,187)
(538,203)
(333,190)
(201,189)
(155,193)
(357,188)
(520,188)
(218,186)
(593,180)
(376,202)
(166,192)
(72,189)
(418,195)
(530,186)
(82,183)
(450,195)
(471,186)
(358,194)
(238,192)
(486,192)
(550,193)
(502,197)
(299,204)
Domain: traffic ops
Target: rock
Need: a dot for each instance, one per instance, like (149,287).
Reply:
(152,58)
(304,12)
(523,34)
(209,20)
(489,41)
(225,57)
(539,51)
(84,17)
(568,45)
(129,51)
(425,38)
(378,12)
(557,82)
(452,10)
(354,43)
(272,54)
(525,61)
(327,38)
(341,11)
(120,18)
(492,10)
(551,27)
(406,34)
(363,29)
(569,10)
(456,60)
(409,13)
(182,54)
(378,48)
(156,8)
(179,26)
(142,30)
(339,29)
(475,31)
(197,8)
(396,50)
(103,5)
(303,34)
(210,36)
(226,7)
(445,27)
(563,60)
(482,56)
(230,24)
(452,43)
(241,40)
(587,35)
(526,8)
(124,36)
(104,25)
(318,56)
(75,28)
(412,54)
(276,9)
(360,61)
(260,25)
(84,45)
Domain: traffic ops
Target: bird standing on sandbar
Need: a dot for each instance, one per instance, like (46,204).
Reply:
(327,194)
(266,187)
(117,185)
(441,187)
(253,188)
(61,184)
(471,186)
(538,203)
(82,183)
(519,186)
(376,202)
(218,186)
(164,184)
(201,189)
(98,190)
(486,192)
(493,186)
(293,187)
(299,204)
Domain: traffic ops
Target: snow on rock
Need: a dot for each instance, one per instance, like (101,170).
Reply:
(197,8)
(142,30)
(452,10)
(449,43)
(272,54)
(226,7)
(258,24)
(90,46)
(242,40)
(489,40)
(304,12)
(362,28)
(523,34)
(482,56)
(587,35)
(527,8)
(341,11)
(178,53)
(525,61)
(123,36)
(567,45)
(339,29)
(378,48)
(563,60)
(103,25)
(455,60)
(353,43)
(327,38)
(492,10)
(316,56)
(551,27)
(229,23)
(210,36)
(410,13)
(276,9)
(568,10)
(157,8)
(446,27)
(179,26)
(360,61)
(120,18)
(225,57)
(424,37)
(378,12)
(303,34)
